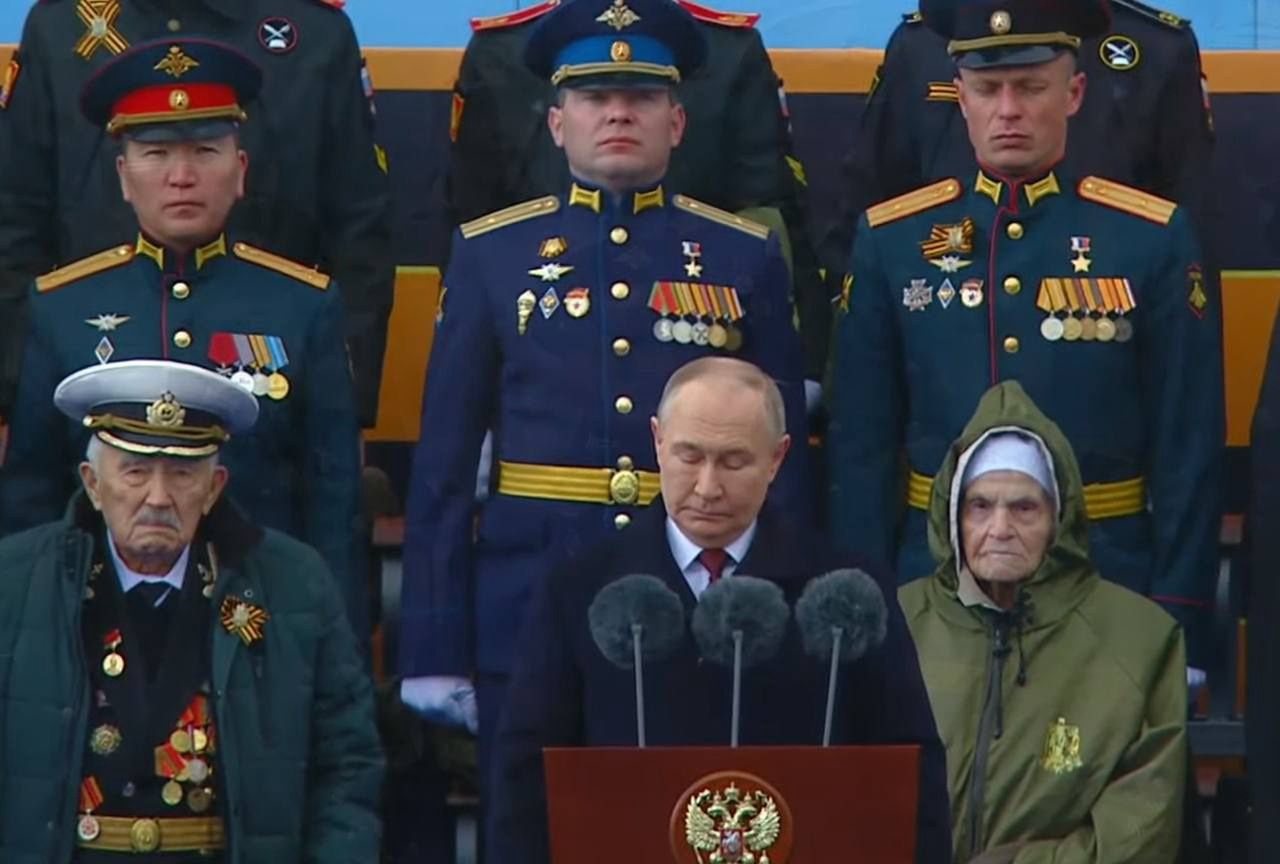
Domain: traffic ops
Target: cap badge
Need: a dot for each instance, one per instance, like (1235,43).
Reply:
(176,63)
(166,412)
(620,52)
(618,16)
(179,100)
(1001,22)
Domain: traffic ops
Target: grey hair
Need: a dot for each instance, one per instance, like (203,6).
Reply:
(739,372)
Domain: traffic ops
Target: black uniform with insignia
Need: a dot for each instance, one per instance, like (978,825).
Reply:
(271,325)
(316,193)
(1145,120)
(736,153)
(1092,294)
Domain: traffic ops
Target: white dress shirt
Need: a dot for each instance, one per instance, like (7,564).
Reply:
(130,578)
(686,552)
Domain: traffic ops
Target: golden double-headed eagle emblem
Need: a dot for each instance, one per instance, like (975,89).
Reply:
(732,826)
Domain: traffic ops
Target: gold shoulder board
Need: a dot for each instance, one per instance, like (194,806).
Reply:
(293,269)
(77,270)
(1127,199)
(724,217)
(1177,22)
(511,19)
(913,202)
(543,206)
(715,16)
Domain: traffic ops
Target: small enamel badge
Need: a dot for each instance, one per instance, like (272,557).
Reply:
(549,303)
(243,619)
(277,35)
(693,253)
(577,302)
(946,293)
(525,304)
(553,247)
(1119,52)
(918,295)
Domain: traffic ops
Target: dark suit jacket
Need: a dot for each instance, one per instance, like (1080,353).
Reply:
(564,693)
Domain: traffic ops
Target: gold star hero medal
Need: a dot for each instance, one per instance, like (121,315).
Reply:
(731,817)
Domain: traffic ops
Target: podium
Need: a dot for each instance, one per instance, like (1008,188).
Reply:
(855,805)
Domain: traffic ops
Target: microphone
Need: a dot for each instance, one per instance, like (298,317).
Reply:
(740,622)
(842,615)
(634,619)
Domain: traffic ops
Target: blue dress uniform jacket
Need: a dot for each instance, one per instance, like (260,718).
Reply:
(953,288)
(297,747)
(564,693)
(546,335)
(297,470)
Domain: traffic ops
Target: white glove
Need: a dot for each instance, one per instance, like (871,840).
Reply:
(812,395)
(442,699)
(1196,678)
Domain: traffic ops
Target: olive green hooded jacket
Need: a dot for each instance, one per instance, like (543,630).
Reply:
(1063,717)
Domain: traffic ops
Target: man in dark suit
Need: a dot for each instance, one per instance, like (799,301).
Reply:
(720,437)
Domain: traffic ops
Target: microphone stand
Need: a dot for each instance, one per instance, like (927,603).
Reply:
(636,630)
(836,634)
(737,686)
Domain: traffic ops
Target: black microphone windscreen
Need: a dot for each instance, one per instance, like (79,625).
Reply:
(848,599)
(630,600)
(757,607)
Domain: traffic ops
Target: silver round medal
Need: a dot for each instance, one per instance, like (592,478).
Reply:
(1051,328)
(198,770)
(260,384)
(701,334)
(662,330)
(1124,330)
(243,380)
(682,332)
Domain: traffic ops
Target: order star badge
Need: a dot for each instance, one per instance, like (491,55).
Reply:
(243,619)
(551,271)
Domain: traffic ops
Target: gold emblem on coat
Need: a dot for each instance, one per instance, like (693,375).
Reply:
(732,818)
(1061,748)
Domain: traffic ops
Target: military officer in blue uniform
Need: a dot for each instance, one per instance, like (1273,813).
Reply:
(560,321)
(184,290)
(1090,293)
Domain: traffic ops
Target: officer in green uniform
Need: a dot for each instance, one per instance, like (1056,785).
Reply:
(736,153)
(184,289)
(1090,293)
(318,191)
(1145,120)
(180,685)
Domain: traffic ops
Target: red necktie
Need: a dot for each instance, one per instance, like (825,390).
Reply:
(715,561)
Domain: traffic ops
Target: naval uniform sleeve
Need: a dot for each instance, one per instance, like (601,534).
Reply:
(344,777)
(866,398)
(778,352)
(543,709)
(355,206)
(1180,350)
(37,475)
(457,405)
(28,223)
(331,463)
(1138,816)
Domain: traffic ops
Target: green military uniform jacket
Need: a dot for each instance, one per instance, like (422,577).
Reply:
(317,191)
(300,761)
(1093,296)
(1064,718)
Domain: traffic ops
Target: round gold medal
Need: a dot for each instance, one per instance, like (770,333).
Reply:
(734,341)
(1071,329)
(105,740)
(1088,329)
(113,665)
(180,740)
(1106,330)
(171,794)
(199,740)
(718,337)
(277,386)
